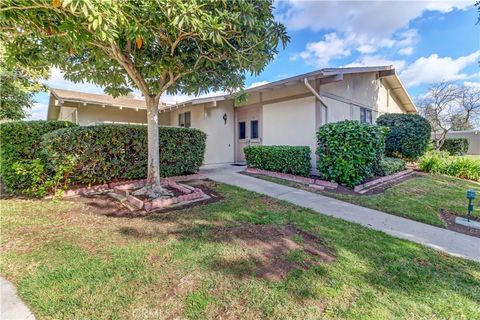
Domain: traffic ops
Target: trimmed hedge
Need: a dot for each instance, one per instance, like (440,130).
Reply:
(408,137)
(387,166)
(20,158)
(455,146)
(440,162)
(348,151)
(285,159)
(119,152)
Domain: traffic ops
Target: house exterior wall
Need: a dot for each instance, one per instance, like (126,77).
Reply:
(220,135)
(93,114)
(290,123)
(345,98)
(290,114)
(473,137)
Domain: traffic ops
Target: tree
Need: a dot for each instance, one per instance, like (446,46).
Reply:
(156,46)
(448,106)
(18,86)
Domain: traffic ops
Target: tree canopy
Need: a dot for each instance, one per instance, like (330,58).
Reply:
(18,87)
(449,106)
(156,46)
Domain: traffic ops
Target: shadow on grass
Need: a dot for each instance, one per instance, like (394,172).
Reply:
(364,257)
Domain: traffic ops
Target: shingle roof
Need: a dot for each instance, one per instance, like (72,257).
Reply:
(102,99)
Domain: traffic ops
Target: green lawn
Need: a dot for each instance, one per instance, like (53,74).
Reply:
(472,156)
(70,263)
(419,198)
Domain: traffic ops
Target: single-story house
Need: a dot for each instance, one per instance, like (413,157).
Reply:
(284,112)
(473,137)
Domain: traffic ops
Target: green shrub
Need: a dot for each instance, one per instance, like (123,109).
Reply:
(119,152)
(285,159)
(387,166)
(408,137)
(348,151)
(455,147)
(439,162)
(21,164)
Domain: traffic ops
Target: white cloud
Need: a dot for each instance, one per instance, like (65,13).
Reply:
(376,60)
(472,84)
(366,48)
(37,112)
(179,98)
(320,53)
(336,46)
(432,69)
(257,84)
(57,81)
(406,51)
(374,18)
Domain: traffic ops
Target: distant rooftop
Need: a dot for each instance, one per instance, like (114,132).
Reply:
(92,98)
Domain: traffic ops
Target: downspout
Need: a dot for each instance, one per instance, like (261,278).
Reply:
(315,93)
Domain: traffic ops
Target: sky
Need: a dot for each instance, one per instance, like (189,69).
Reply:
(426,41)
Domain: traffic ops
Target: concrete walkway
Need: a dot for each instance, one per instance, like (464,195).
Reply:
(437,238)
(11,307)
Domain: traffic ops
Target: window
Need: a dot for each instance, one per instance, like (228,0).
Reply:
(365,115)
(241,130)
(184,120)
(254,129)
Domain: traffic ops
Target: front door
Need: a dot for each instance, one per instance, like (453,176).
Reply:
(248,130)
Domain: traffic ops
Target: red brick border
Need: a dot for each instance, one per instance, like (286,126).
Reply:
(380,180)
(125,185)
(292,177)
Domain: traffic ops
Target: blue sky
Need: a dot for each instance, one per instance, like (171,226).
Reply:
(426,41)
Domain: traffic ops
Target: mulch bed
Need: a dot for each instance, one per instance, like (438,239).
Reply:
(105,205)
(269,247)
(347,191)
(449,219)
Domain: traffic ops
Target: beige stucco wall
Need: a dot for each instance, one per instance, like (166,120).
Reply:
(209,119)
(93,114)
(359,90)
(290,123)
(67,114)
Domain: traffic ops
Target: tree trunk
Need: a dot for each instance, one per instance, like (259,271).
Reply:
(153,175)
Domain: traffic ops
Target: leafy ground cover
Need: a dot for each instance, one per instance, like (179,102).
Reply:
(420,198)
(70,262)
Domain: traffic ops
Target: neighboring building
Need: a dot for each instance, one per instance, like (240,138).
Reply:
(473,137)
(285,112)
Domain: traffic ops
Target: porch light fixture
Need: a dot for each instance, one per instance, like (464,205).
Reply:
(225,117)
(471,194)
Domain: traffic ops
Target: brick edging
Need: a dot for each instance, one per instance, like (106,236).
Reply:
(394,176)
(124,185)
(292,177)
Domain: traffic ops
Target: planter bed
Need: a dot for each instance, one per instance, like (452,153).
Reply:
(181,194)
(319,184)
(125,185)
(377,181)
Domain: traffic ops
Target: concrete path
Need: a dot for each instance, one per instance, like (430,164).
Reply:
(437,238)
(11,307)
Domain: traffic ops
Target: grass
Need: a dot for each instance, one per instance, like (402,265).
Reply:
(71,263)
(418,198)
